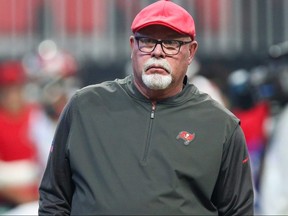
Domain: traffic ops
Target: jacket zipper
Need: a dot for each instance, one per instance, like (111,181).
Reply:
(153,110)
(148,141)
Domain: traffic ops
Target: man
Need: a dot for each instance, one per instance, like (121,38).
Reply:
(19,162)
(149,143)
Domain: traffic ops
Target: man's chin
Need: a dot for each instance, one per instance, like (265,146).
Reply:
(157,81)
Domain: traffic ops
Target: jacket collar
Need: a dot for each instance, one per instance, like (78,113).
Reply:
(187,93)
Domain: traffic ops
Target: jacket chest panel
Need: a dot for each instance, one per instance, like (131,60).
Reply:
(151,148)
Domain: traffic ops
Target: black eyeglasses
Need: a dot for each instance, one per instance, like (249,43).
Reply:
(169,47)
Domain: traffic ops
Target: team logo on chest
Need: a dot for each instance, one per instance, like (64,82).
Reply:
(186,136)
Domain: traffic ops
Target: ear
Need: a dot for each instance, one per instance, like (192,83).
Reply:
(132,44)
(192,50)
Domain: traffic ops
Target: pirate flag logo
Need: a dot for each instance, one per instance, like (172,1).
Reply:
(186,136)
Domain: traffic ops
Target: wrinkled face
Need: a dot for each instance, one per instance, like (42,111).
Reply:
(161,69)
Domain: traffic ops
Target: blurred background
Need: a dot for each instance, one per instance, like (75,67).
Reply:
(50,48)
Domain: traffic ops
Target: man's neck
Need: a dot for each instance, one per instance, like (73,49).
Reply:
(155,95)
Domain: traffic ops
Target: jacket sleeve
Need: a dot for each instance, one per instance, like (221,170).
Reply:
(56,188)
(233,194)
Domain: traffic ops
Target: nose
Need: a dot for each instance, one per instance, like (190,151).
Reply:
(158,52)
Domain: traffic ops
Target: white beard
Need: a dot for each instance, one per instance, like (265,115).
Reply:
(157,81)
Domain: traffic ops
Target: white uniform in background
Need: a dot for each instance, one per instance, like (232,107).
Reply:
(274,183)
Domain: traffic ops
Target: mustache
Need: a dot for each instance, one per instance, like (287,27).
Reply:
(153,62)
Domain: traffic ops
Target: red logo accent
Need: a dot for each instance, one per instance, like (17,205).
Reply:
(186,136)
(245,160)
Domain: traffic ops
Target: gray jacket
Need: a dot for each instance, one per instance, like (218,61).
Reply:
(116,153)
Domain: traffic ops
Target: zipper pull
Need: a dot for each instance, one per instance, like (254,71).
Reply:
(153,110)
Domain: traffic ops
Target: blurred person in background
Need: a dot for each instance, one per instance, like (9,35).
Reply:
(19,161)
(204,84)
(50,79)
(54,79)
(254,114)
(273,184)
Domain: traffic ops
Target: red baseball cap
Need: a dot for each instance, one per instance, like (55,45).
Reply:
(166,13)
(11,72)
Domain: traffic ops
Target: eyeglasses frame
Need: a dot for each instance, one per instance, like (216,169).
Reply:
(158,41)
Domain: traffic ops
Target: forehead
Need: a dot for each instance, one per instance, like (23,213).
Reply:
(159,31)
